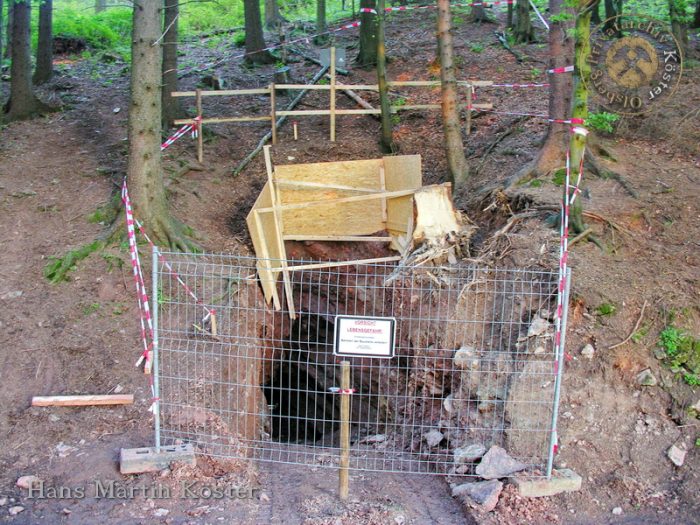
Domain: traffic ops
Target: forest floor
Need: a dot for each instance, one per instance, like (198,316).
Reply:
(82,336)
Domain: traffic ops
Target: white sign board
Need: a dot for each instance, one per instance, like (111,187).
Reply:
(364,336)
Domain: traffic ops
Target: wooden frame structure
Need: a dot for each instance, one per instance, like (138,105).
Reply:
(331,201)
(333,87)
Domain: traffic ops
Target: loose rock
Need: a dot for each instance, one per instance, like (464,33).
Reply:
(466,358)
(498,464)
(15,510)
(159,513)
(677,454)
(617,511)
(539,326)
(469,454)
(588,351)
(646,378)
(482,495)
(433,438)
(26,482)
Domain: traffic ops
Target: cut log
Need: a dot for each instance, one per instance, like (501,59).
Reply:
(436,217)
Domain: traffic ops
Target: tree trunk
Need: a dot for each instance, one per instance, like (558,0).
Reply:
(44,52)
(367,55)
(320,16)
(696,17)
(450,111)
(581,80)
(523,31)
(272,14)
(254,39)
(509,16)
(144,169)
(610,12)
(561,50)
(100,5)
(478,14)
(8,34)
(2,28)
(387,142)
(22,103)
(595,14)
(171,108)
(679,26)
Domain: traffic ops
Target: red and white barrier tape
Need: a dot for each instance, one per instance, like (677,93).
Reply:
(565,69)
(336,390)
(570,193)
(142,296)
(195,128)
(519,85)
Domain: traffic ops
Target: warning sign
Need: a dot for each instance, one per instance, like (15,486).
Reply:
(364,336)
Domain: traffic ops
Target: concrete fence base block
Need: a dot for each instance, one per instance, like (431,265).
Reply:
(147,459)
(563,480)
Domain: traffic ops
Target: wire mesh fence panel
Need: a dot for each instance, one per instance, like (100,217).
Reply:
(474,363)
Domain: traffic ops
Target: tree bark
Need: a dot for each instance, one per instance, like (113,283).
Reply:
(523,31)
(611,12)
(100,5)
(679,25)
(2,30)
(273,18)
(561,51)
(367,56)
(8,33)
(171,108)
(22,103)
(579,110)
(320,16)
(387,141)
(454,148)
(144,170)
(595,14)
(696,17)
(509,16)
(44,52)
(254,38)
(478,14)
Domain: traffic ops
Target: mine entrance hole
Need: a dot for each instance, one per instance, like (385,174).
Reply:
(301,407)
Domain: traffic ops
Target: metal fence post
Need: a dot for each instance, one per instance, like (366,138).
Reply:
(154,370)
(560,372)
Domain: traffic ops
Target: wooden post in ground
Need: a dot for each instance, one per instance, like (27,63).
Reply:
(200,134)
(332,106)
(469,109)
(273,113)
(343,473)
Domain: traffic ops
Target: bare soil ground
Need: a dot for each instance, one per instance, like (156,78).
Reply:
(82,336)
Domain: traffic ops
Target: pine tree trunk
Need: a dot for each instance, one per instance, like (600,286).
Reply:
(272,14)
(367,55)
(610,12)
(100,5)
(387,141)
(171,108)
(696,17)
(8,33)
(679,27)
(320,16)
(561,50)
(144,169)
(523,31)
(254,38)
(478,14)
(22,103)
(44,52)
(509,16)
(595,14)
(582,73)
(454,148)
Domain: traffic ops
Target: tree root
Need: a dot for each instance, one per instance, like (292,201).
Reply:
(604,173)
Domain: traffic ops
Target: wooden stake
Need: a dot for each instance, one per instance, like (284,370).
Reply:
(296,132)
(266,257)
(332,107)
(85,400)
(279,230)
(200,135)
(469,110)
(213,324)
(343,472)
(273,111)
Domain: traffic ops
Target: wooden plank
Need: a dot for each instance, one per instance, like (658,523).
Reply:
(332,97)
(358,111)
(336,264)
(349,238)
(82,400)
(267,278)
(401,172)
(279,232)
(319,186)
(357,87)
(301,112)
(319,87)
(219,120)
(356,198)
(139,460)
(469,110)
(262,233)
(382,185)
(223,92)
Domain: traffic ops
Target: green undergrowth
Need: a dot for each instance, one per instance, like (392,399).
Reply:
(682,353)
(58,268)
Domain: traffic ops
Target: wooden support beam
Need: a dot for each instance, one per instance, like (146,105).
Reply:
(82,400)
(332,98)
(273,110)
(200,135)
(321,186)
(349,238)
(220,120)
(223,92)
(356,198)
(266,258)
(336,264)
